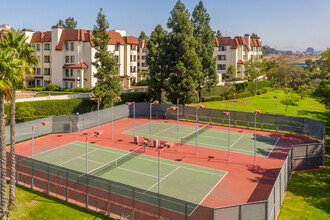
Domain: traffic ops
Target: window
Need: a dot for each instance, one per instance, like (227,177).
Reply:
(221,57)
(47,71)
(134,57)
(143,57)
(145,50)
(72,59)
(47,59)
(38,83)
(117,47)
(117,58)
(133,69)
(67,59)
(221,48)
(144,65)
(138,50)
(138,64)
(38,71)
(72,46)
(66,46)
(68,85)
(67,73)
(221,67)
(37,47)
(46,82)
(138,57)
(133,47)
(39,58)
(47,47)
(71,73)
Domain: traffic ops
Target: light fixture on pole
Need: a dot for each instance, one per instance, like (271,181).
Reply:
(197,96)
(117,98)
(234,94)
(32,150)
(276,97)
(155,102)
(199,107)
(132,103)
(228,113)
(256,112)
(98,111)
(177,123)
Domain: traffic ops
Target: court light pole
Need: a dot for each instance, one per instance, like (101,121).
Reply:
(159,151)
(228,113)
(199,107)
(234,94)
(132,103)
(98,111)
(155,102)
(256,112)
(177,124)
(32,150)
(117,98)
(197,96)
(276,97)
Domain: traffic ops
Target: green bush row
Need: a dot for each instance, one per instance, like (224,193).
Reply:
(52,87)
(251,86)
(134,97)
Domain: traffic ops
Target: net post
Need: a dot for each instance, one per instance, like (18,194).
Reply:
(48,170)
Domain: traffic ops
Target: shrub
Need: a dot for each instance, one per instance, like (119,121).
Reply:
(38,89)
(134,97)
(76,89)
(143,82)
(52,87)
(234,79)
(212,98)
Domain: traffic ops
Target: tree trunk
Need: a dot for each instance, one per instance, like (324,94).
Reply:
(4,214)
(12,189)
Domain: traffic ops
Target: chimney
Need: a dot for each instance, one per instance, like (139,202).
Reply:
(248,39)
(28,33)
(56,35)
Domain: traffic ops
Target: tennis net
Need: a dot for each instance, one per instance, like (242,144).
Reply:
(113,164)
(188,137)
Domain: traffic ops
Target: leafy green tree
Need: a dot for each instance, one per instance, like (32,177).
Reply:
(304,91)
(218,33)
(290,98)
(184,65)
(284,75)
(143,36)
(324,91)
(68,24)
(231,70)
(254,36)
(157,62)
(204,36)
(325,62)
(108,82)
(17,44)
(254,69)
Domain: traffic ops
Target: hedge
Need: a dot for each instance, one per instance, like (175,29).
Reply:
(26,111)
(134,97)
(251,86)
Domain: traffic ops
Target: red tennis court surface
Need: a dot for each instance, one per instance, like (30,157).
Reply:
(243,183)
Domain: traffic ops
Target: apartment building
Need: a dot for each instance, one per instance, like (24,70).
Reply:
(236,52)
(5,27)
(66,57)
(142,56)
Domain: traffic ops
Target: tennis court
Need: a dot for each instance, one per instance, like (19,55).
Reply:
(178,180)
(208,137)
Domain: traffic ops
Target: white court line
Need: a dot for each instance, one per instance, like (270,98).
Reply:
(65,145)
(124,132)
(163,178)
(118,167)
(75,158)
(272,148)
(236,141)
(163,131)
(209,192)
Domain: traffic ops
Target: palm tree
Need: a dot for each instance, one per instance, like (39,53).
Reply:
(17,44)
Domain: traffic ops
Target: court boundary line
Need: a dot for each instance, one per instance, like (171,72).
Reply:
(132,171)
(135,128)
(75,158)
(170,173)
(210,191)
(54,149)
(271,150)
(162,131)
(236,141)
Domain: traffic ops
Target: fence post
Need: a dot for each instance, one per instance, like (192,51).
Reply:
(185,210)
(86,205)
(240,212)
(307,155)
(16,168)
(266,209)
(48,170)
(109,202)
(133,203)
(67,185)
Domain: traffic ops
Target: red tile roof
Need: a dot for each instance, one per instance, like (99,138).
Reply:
(131,40)
(255,43)
(241,62)
(242,41)
(142,44)
(73,35)
(41,37)
(80,65)
(116,38)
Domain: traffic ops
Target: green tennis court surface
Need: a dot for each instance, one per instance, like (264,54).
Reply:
(181,181)
(211,138)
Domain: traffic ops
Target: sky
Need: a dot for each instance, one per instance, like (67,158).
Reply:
(283,24)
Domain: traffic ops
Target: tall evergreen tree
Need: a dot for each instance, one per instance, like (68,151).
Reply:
(254,36)
(184,65)
(218,33)
(157,62)
(108,81)
(68,24)
(143,36)
(204,35)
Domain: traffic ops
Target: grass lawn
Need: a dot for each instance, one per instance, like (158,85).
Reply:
(308,195)
(35,205)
